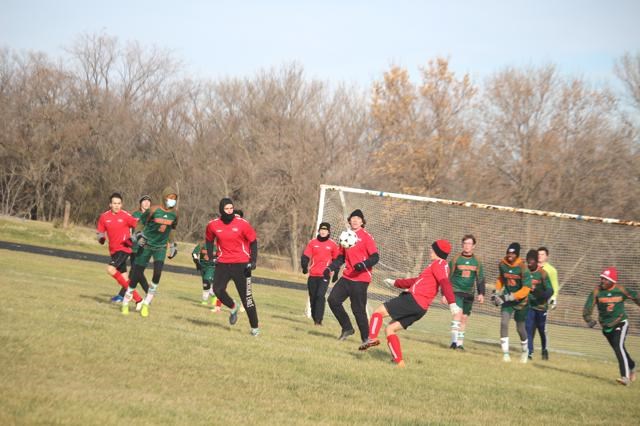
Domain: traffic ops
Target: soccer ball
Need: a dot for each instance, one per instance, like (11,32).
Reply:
(348,238)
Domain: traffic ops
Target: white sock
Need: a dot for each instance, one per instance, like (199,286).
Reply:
(460,338)
(205,295)
(127,296)
(504,343)
(153,287)
(525,345)
(455,328)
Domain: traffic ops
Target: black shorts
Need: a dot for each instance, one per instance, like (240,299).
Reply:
(119,261)
(404,309)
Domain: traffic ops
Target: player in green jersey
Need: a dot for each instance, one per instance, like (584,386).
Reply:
(465,273)
(158,222)
(207,269)
(609,297)
(511,294)
(541,291)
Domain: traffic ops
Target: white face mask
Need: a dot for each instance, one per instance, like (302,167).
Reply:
(170,203)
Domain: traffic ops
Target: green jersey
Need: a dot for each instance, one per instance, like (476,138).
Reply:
(465,272)
(514,279)
(158,223)
(610,305)
(540,284)
(138,215)
(200,253)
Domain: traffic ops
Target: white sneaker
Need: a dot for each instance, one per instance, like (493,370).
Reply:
(139,305)
(506,357)
(524,357)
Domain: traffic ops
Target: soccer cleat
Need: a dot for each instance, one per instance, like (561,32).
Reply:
(144,311)
(203,302)
(345,334)
(139,306)
(255,331)
(124,310)
(524,357)
(233,316)
(530,356)
(460,348)
(117,299)
(369,343)
(453,346)
(545,355)
(623,381)
(400,364)
(506,357)
(216,309)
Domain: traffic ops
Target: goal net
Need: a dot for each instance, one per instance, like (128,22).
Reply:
(404,226)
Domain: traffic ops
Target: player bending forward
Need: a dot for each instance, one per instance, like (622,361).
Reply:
(413,303)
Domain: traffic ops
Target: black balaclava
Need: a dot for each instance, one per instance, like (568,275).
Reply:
(226,217)
(327,226)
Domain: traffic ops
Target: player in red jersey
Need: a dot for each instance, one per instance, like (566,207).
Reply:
(355,279)
(317,256)
(237,253)
(414,301)
(115,224)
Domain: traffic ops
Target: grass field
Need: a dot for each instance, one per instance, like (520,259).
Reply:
(69,357)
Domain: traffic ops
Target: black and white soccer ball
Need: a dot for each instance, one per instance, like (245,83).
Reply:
(348,238)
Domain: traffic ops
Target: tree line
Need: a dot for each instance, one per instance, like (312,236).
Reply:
(112,116)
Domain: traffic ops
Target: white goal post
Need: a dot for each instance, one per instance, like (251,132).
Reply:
(579,246)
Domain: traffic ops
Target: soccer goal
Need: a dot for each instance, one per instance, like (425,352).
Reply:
(404,226)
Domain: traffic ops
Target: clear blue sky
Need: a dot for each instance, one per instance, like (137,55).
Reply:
(342,41)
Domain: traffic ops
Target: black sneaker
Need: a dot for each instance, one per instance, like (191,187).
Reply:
(345,334)
(545,355)
(530,356)
(453,346)
(233,316)
(368,344)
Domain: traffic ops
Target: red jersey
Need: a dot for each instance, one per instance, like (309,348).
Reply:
(365,247)
(321,254)
(425,287)
(118,227)
(232,239)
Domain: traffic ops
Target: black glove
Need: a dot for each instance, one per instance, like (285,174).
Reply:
(305,270)
(248,268)
(139,238)
(326,274)
(592,323)
(173,250)
(360,266)
(101,237)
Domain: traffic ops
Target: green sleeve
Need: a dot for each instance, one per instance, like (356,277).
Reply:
(196,251)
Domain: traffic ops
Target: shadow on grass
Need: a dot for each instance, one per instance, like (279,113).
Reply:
(290,319)
(203,323)
(100,298)
(575,373)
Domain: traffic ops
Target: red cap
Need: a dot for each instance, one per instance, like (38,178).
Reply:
(442,248)
(610,273)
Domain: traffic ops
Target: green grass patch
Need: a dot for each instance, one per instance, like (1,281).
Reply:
(69,357)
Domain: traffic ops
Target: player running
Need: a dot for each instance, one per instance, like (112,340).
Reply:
(413,303)
(237,253)
(511,294)
(609,297)
(158,222)
(541,291)
(465,272)
(115,225)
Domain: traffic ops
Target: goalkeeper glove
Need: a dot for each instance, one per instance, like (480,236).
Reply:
(360,266)
(454,308)
(592,323)
(248,268)
(139,238)
(101,237)
(173,250)
(305,270)
(553,303)
(496,298)
(389,282)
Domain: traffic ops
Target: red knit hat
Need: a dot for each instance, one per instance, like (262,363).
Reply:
(610,273)
(442,248)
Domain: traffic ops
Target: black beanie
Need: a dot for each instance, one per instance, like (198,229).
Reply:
(226,218)
(357,212)
(325,225)
(514,248)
